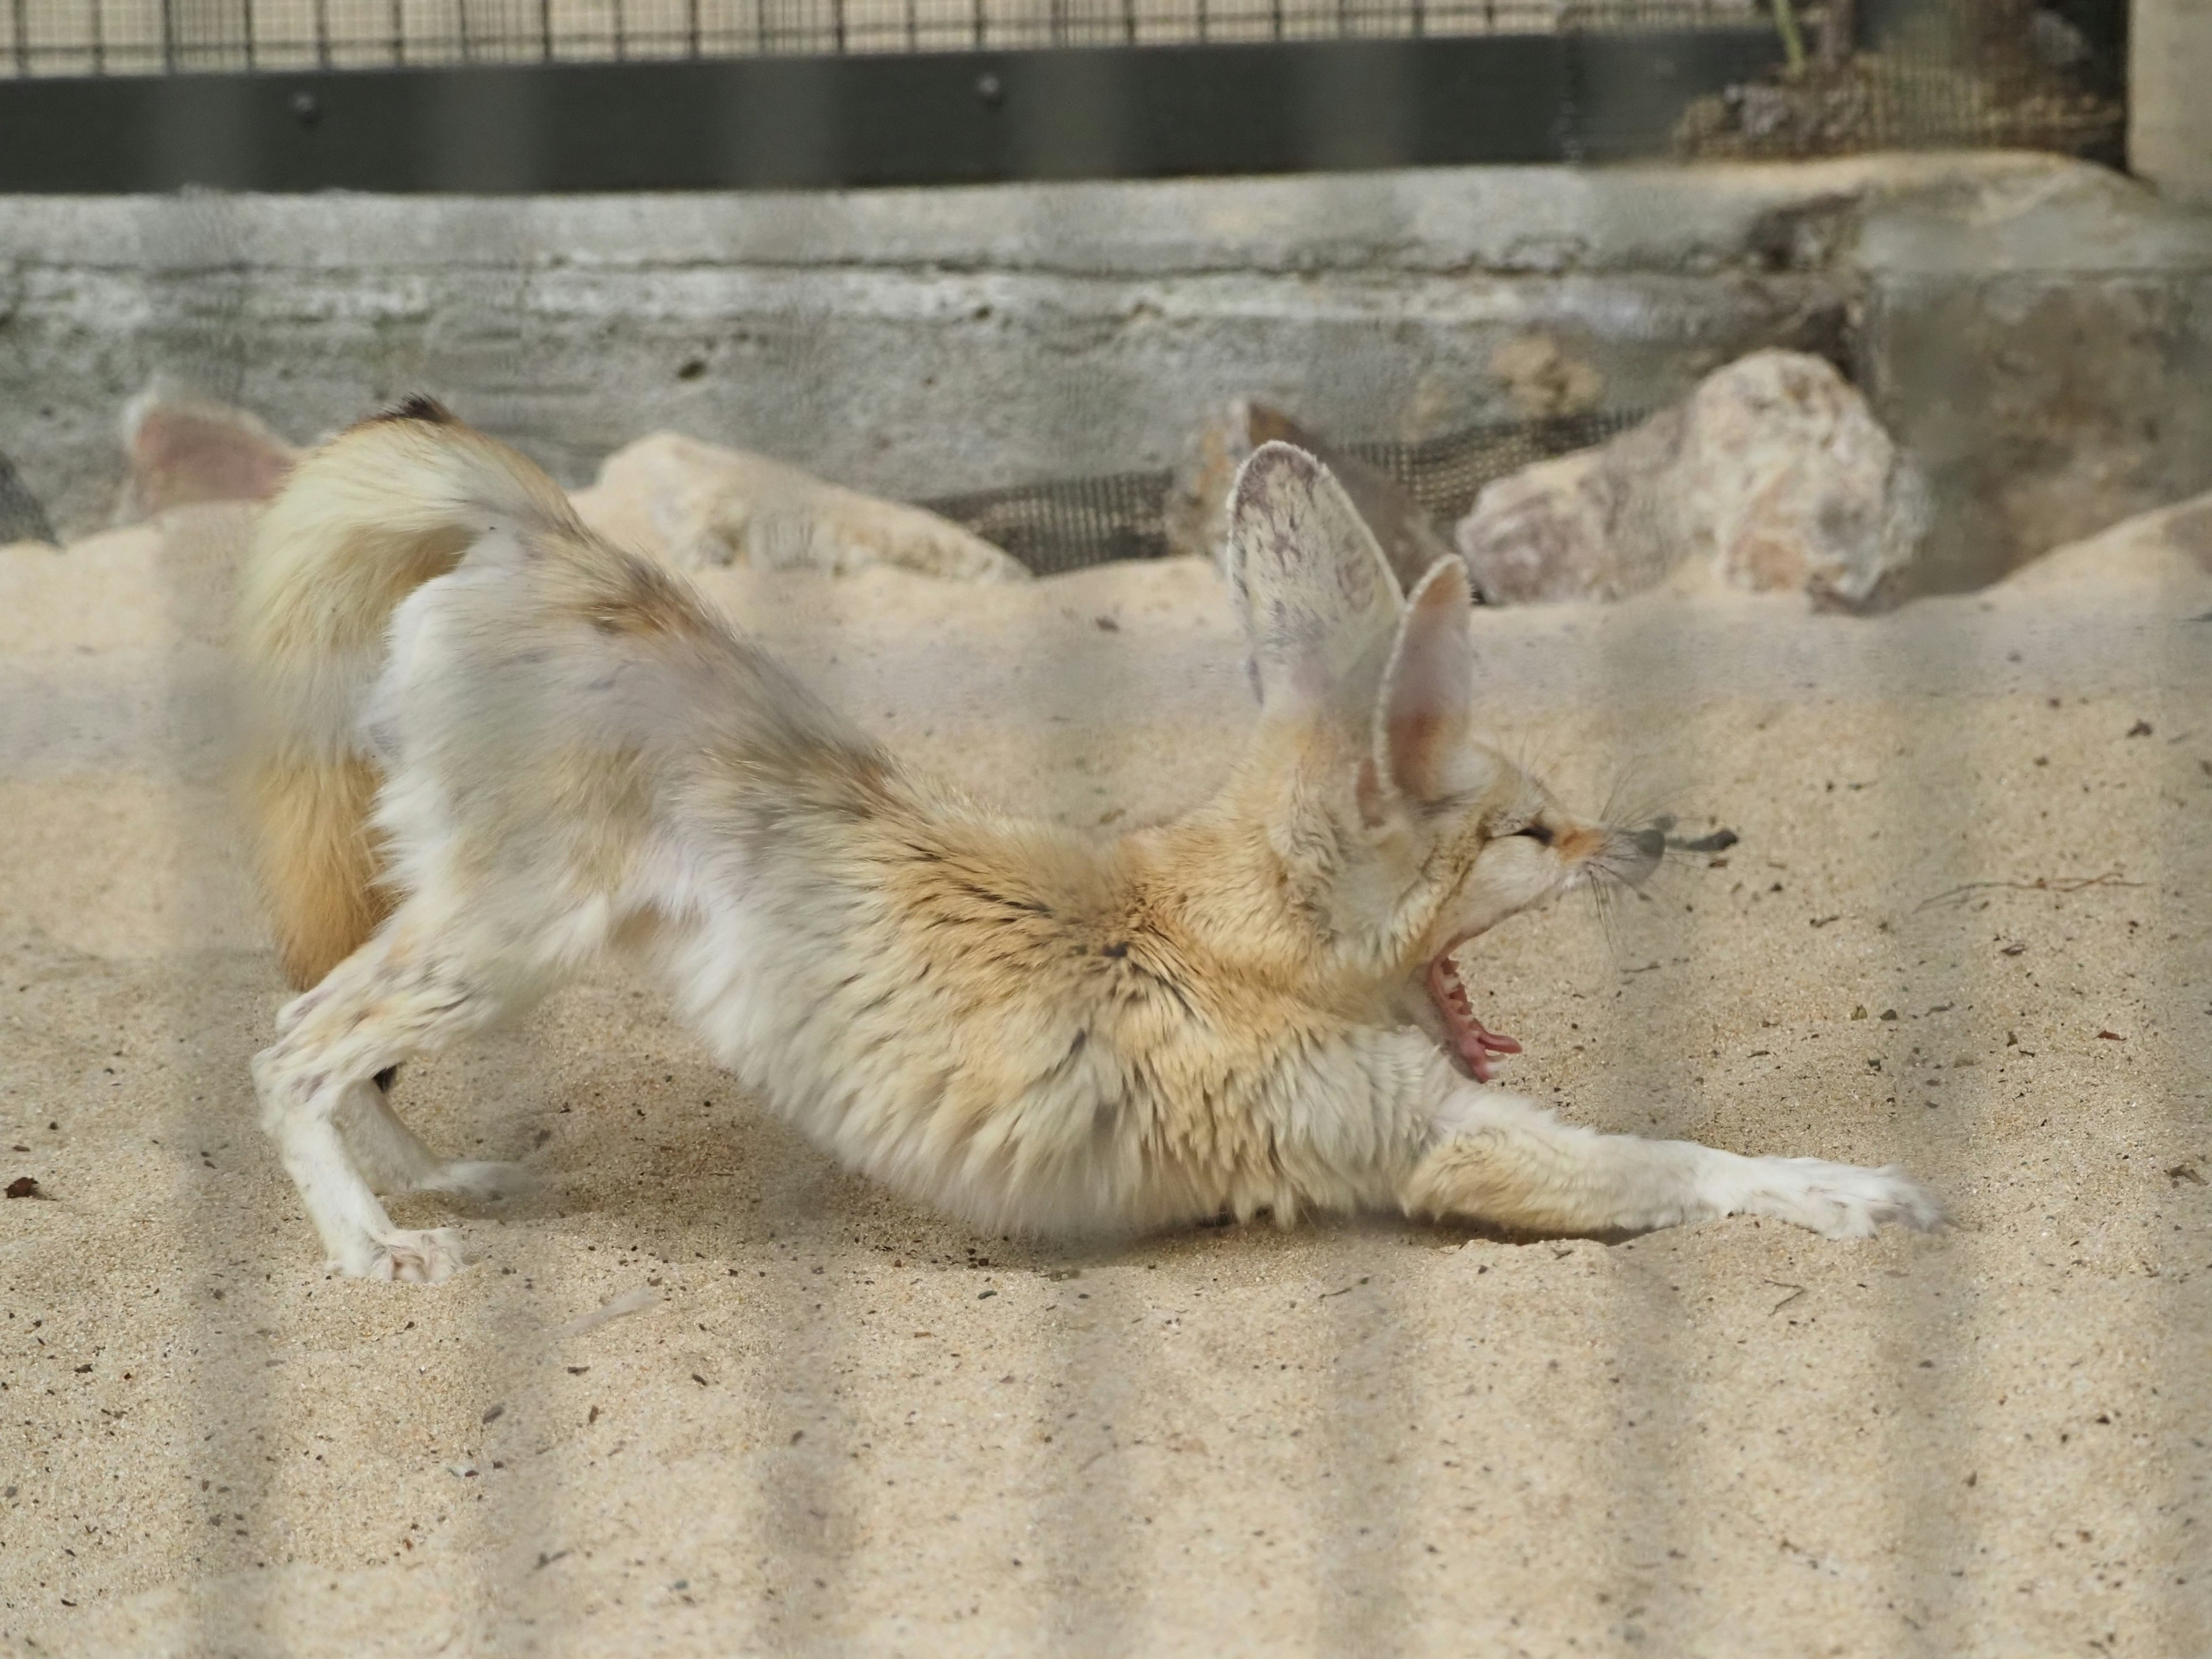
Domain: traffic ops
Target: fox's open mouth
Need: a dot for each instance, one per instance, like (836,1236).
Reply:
(1471,1043)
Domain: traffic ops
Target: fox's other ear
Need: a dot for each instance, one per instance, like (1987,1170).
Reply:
(1425,718)
(1314,594)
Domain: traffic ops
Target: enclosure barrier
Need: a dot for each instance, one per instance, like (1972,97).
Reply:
(100,95)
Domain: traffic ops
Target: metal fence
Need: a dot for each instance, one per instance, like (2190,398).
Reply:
(149,37)
(511,95)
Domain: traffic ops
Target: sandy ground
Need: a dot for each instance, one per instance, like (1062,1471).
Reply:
(839,1425)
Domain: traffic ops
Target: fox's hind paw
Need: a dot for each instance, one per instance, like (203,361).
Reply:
(1836,1201)
(473,1178)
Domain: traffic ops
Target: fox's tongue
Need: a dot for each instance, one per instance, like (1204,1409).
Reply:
(1476,1045)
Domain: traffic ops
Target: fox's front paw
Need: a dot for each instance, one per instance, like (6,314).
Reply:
(407,1258)
(1836,1201)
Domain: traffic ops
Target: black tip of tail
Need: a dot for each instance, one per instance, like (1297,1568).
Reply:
(428,411)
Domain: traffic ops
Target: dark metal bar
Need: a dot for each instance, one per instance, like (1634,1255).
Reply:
(881,119)
(1840,33)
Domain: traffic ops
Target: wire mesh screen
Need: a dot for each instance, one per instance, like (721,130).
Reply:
(1851,75)
(1071,524)
(2013,74)
(136,36)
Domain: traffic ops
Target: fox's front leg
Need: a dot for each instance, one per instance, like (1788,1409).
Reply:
(1504,1161)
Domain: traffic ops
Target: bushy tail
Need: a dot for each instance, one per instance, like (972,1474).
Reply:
(361,524)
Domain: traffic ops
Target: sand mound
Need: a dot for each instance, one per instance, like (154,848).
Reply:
(2170,549)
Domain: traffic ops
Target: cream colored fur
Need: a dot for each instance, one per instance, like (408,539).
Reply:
(1229,1014)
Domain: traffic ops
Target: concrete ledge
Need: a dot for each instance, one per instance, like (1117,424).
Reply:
(2006,311)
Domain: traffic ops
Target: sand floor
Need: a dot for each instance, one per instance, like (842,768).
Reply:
(838,1426)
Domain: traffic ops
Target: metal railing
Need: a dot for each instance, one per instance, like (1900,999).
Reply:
(150,37)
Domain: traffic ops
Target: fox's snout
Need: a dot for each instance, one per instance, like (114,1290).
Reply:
(1632,855)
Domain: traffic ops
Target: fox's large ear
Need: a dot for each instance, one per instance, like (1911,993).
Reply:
(1425,717)
(1316,595)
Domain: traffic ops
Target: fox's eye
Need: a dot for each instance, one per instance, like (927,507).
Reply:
(1539,832)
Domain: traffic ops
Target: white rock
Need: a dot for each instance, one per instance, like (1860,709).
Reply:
(697,506)
(1772,476)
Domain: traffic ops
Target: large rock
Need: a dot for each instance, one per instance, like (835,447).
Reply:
(1772,476)
(185,448)
(697,506)
(1198,502)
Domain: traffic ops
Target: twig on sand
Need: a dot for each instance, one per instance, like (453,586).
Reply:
(2040,884)
(1719,841)
(1795,1290)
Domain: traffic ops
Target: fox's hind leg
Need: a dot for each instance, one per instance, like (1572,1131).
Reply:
(415,987)
(392,1158)
(1503,1160)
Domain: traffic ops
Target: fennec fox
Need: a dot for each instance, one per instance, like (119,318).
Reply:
(490,747)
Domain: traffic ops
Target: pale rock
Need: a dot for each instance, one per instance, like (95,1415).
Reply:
(1543,381)
(697,507)
(1772,476)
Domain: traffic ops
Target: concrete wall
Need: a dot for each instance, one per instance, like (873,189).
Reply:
(2041,332)
(2169,116)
